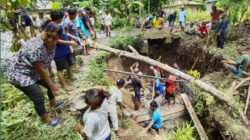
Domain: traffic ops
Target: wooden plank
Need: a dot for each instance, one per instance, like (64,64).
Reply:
(165,112)
(248,97)
(194,117)
(175,115)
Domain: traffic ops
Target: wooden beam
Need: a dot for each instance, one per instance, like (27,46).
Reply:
(248,97)
(194,117)
(164,112)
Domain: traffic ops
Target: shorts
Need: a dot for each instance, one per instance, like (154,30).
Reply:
(89,36)
(146,123)
(26,21)
(169,95)
(102,27)
(108,28)
(148,26)
(64,62)
(138,96)
(182,24)
(169,24)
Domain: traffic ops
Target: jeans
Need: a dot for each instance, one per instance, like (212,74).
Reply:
(35,94)
(220,41)
(234,69)
(192,33)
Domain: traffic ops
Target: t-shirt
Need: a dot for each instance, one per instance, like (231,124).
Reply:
(157,73)
(102,19)
(223,26)
(182,15)
(170,85)
(92,21)
(116,96)
(21,71)
(137,20)
(216,15)
(243,61)
(159,86)
(136,82)
(96,124)
(160,13)
(63,49)
(156,22)
(81,26)
(171,17)
(156,117)
(205,29)
(107,19)
(71,26)
(85,19)
(189,28)
(147,20)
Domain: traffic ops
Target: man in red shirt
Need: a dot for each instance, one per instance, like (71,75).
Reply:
(170,89)
(215,14)
(203,30)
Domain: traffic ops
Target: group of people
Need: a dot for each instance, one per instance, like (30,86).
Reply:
(217,27)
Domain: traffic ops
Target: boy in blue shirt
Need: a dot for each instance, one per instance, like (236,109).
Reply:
(63,57)
(159,87)
(155,122)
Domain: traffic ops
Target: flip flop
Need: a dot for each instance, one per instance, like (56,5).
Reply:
(54,122)
(69,89)
(75,78)
(60,104)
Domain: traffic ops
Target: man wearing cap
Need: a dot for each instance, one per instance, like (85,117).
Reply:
(158,22)
(182,18)
(147,22)
(87,23)
(239,65)
(221,31)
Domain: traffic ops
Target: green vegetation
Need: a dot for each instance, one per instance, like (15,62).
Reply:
(121,41)
(195,74)
(96,73)
(186,132)
(203,15)
(102,56)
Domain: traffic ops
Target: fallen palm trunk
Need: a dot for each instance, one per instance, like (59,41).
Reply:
(213,91)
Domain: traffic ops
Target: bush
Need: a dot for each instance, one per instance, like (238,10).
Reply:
(121,41)
(102,56)
(96,73)
(198,15)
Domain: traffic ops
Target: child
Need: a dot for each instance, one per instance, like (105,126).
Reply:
(158,98)
(137,23)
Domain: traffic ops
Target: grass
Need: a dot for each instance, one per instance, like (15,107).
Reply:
(121,41)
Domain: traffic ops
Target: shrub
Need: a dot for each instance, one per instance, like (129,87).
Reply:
(96,73)
(198,15)
(121,41)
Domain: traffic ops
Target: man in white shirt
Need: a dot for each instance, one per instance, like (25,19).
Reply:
(102,20)
(107,23)
(113,100)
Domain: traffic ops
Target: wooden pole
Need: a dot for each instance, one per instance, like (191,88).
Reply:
(146,76)
(248,97)
(197,123)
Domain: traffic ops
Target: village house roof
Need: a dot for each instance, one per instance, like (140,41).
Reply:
(183,2)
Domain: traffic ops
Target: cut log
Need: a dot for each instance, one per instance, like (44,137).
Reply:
(248,97)
(194,117)
(210,89)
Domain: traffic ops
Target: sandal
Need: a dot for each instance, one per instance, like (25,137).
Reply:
(54,122)
(69,89)
(75,78)
(60,104)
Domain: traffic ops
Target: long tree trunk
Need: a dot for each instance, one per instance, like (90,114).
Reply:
(213,91)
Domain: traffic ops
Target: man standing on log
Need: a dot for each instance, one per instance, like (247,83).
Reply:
(155,122)
(238,66)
